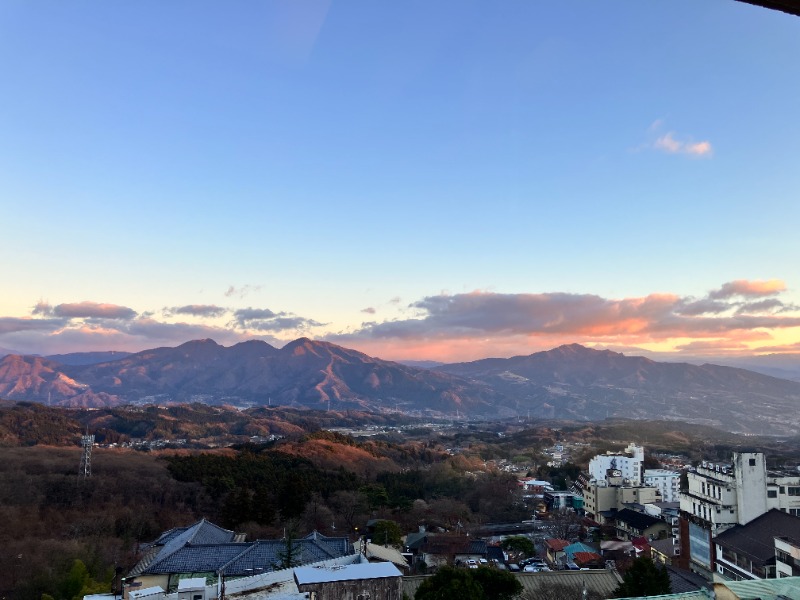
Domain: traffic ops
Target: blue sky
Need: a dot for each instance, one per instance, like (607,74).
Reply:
(389,176)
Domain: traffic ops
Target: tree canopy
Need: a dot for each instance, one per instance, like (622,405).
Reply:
(469,584)
(644,578)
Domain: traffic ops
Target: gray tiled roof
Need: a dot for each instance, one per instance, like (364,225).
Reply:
(183,553)
(202,558)
(202,532)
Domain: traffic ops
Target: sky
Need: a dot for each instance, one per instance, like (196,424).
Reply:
(443,180)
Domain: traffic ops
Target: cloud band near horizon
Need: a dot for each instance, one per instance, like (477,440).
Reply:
(731,318)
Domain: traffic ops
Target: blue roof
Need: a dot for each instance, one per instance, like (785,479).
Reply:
(577,547)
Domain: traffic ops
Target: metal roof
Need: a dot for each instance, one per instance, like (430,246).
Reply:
(765,589)
(192,584)
(381,570)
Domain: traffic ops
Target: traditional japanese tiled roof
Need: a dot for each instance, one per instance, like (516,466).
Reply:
(495,553)
(202,558)
(584,558)
(193,550)
(556,545)
(202,532)
(415,540)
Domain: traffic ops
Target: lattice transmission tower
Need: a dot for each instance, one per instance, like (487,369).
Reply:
(85,469)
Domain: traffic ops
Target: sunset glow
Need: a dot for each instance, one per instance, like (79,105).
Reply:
(435,181)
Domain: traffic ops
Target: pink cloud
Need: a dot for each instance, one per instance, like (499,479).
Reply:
(671,143)
(519,321)
(667,143)
(88,310)
(745,287)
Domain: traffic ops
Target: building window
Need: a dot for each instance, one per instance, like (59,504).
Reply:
(795,512)
(793,491)
(772,493)
(752,462)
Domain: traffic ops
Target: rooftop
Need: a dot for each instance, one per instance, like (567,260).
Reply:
(310,575)
(637,520)
(756,540)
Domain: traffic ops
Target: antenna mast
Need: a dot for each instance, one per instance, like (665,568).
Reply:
(85,469)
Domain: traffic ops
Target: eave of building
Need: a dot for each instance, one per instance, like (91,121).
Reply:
(791,7)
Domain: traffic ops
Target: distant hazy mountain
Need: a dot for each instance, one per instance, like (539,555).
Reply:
(569,382)
(577,382)
(86,358)
(6,352)
(302,373)
(785,366)
(422,364)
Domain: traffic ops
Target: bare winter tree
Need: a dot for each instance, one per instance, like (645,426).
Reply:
(564,524)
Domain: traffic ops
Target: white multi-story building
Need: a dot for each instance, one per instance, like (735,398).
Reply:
(667,482)
(627,463)
(719,497)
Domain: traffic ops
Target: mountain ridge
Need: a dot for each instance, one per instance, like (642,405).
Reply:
(570,381)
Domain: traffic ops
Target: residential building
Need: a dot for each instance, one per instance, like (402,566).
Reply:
(211,552)
(577,548)
(667,482)
(555,550)
(367,581)
(783,492)
(666,551)
(630,524)
(749,551)
(537,487)
(555,501)
(613,494)
(383,553)
(721,496)
(449,549)
(787,556)
(628,464)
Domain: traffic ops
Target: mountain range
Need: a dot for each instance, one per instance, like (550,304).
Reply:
(569,382)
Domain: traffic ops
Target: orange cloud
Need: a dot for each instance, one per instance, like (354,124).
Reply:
(745,287)
(460,323)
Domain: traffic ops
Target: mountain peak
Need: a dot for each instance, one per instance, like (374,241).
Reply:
(302,345)
(575,350)
(199,343)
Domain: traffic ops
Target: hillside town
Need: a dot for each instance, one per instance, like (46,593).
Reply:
(725,531)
